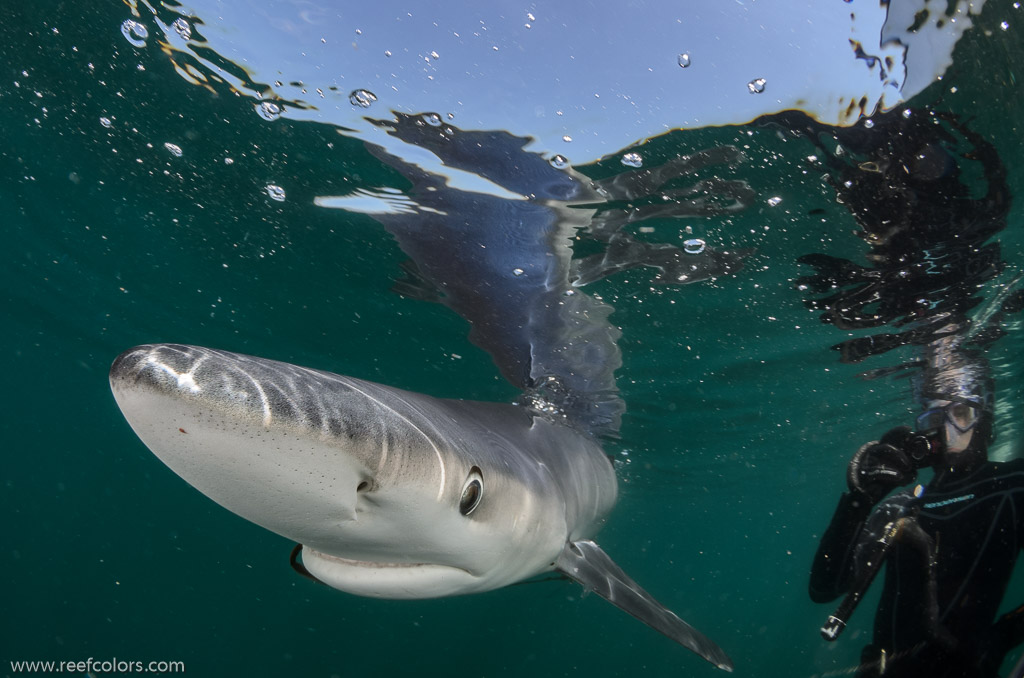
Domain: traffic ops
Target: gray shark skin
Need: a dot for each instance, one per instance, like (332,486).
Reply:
(391,494)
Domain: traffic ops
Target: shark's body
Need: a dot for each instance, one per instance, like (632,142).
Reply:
(391,494)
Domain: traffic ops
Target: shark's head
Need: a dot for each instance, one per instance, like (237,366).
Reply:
(392,494)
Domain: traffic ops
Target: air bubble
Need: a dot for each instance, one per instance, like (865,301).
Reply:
(559,162)
(756,86)
(105,122)
(684,60)
(773,201)
(275,192)
(268,110)
(435,56)
(387,52)
(694,246)
(632,160)
(517,272)
(566,138)
(869,123)
(229,161)
(432,119)
(183,28)
(363,98)
(135,32)
(174,149)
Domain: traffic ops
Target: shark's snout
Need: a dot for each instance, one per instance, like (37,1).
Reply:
(240,386)
(250,434)
(164,368)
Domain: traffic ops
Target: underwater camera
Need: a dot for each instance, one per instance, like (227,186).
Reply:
(923,446)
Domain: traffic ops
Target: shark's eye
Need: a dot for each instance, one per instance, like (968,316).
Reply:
(472,492)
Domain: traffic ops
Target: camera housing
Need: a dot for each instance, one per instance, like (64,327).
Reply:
(923,447)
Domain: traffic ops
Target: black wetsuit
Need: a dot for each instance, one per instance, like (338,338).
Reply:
(976,528)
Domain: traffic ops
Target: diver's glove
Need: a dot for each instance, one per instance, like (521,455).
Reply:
(881,465)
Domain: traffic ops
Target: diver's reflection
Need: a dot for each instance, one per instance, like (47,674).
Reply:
(949,546)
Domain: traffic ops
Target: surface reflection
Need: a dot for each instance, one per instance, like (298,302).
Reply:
(581,84)
(928,194)
(504,259)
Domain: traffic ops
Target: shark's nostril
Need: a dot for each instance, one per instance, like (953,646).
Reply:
(364,486)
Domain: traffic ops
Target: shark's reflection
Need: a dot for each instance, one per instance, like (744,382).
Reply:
(504,259)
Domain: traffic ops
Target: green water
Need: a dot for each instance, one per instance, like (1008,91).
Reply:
(739,426)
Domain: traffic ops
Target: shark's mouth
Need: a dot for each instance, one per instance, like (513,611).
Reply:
(380,579)
(347,562)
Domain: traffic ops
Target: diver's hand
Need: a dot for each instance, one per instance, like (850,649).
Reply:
(881,465)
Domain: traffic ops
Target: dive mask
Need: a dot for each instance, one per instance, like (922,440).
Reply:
(962,415)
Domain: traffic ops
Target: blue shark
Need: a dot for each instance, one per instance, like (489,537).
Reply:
(391,494)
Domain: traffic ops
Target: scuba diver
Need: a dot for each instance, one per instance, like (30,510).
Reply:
(949,546)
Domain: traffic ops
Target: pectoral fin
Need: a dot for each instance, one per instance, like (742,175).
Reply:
(585,562)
